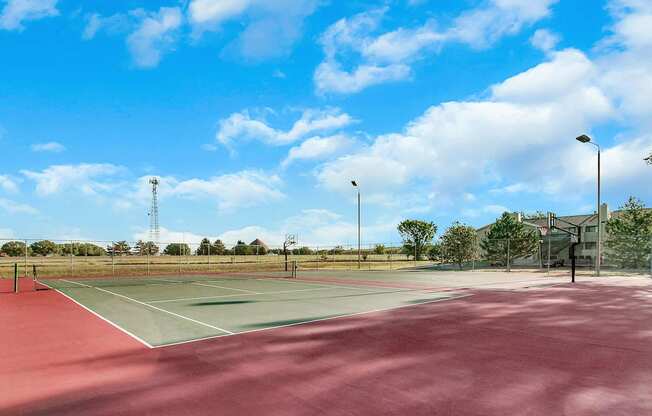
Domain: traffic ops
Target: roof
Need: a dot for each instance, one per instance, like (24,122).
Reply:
(258,242)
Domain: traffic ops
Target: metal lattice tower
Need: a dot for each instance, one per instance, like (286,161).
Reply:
(154,231)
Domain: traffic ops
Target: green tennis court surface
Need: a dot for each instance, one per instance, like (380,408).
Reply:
(163,311)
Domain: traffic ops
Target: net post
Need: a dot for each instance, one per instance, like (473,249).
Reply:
(15,277)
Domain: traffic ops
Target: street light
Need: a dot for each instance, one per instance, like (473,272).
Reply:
(355,185)
(586,139)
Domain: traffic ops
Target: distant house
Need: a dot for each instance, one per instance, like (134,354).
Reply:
(258,242)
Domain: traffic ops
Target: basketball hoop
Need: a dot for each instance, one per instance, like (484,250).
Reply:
(290,240)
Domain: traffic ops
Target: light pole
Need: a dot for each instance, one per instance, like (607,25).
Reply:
(355,184)
(586,139)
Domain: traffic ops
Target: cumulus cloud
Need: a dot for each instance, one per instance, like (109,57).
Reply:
(13,207)
(84,177)
(242,189)
(270,28)
(244,126)
(544,40)
(154,36)
(16,12)
(316,148)
(387,57)
(7,184)
(456,144)
(54,147)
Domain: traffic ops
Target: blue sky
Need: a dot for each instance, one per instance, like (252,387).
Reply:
(256,114)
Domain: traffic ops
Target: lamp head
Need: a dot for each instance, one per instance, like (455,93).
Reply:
(583,138)
(354,183)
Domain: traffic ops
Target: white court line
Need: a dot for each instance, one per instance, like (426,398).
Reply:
(359,286)
(251,292)
(151,306)
(238,294)
(142,341)
(314,320)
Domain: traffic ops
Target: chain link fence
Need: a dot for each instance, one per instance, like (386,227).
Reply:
(75,258)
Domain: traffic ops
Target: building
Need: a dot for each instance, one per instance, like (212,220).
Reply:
(558,243)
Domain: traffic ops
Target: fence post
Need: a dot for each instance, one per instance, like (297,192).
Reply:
(209,255)
(317,258)
(15,277)
(509,266)
(112,259)
(25,258)
(72,265)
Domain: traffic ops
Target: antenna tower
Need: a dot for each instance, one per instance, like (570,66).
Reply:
(154,231)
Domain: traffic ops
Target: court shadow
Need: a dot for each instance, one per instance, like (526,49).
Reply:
(285,322)
(223,302)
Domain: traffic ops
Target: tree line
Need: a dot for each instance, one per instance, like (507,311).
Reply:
(628,243)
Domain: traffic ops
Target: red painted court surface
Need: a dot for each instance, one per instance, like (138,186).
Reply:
(568,350)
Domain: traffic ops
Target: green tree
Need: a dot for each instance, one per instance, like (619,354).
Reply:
(379,249)
(14,249)
(416,234)
(144,248)
(43,248)
(204,247)
(88,249)
(242,249)
(508,239)
(218,248)
(304,251)
(458,244)
(629,233)
(121,248)
(177,249)
(434,252)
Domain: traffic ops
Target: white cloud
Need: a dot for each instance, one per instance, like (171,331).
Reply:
(15,12)
(53,147)
(215,12)
(270,28)
(387,57)
(7,184)
(484,26)
(329,77)
(316,148)
(82,177)
(544,40)
(459,144)
(492,209)
(154,36)
(13,207)
(242,126)
(242,189)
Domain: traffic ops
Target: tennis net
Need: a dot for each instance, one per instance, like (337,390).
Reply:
(49,279)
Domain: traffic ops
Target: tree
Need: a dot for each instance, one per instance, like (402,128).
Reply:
(458,244)
(434,252)
(303,251)
(629,234)
(121,248)
(379,249)
(14,248)
(508,239)
(144,248)
(88,249)
(204,248)
(177,249)
(218,248)
(43,248)
(242,249)
(416,234)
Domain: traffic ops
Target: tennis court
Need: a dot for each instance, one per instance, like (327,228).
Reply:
(161,311)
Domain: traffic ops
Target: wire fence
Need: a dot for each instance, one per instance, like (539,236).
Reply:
(76,258)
